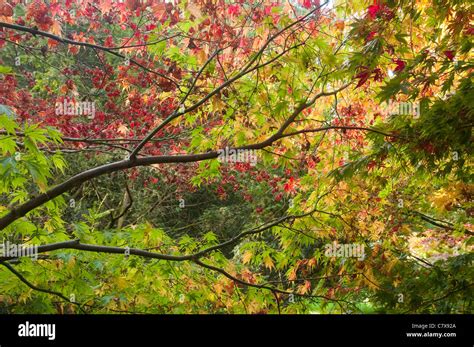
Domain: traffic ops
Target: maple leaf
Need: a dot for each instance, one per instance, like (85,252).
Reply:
(290,185)
(292,274)
(307,3)
(132,4)
(109,41)
(121,282)
(378,74)
(371,165)
(248,276)
(363,76)
(194,10)
(305,288)
(246,257)
(6,10)
(371,36)
(159,10)
(123,130)
(73,49)
(449,55)
(105,6)
(56,28)
(201,56)
(144,105)
(400,65)
(373,11)
(234,10)
(340,25)
(268,261)
(52,43)
(219,287)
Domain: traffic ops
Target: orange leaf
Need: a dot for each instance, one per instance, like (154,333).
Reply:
(56,28)
(194,10)
(105,6)
(159,10)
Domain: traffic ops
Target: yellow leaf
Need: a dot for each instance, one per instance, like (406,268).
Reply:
(246,257)
(268,261)
(71,262)
(131,273)
(292,274)
(304,288)
(122,129)
(370,280)
(141,300)
(56,28)
(219,288)
(391,264)
(201,57)
(121,282)
(217,104)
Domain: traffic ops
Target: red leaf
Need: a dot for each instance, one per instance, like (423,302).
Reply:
(371,164)
(371,36)
(376,10)
(6,10)
(363,76)
(109,41)
(400,65)
(373,11)
(307,3)
(378,75)
(290,185)
(234,10)
(449,55)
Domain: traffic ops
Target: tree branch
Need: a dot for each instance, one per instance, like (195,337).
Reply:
(34,287)
(21,210)
(64,40)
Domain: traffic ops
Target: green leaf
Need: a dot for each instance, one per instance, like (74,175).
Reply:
(7,123)
(5,70)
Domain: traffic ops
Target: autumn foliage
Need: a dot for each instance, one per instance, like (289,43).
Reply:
(113,116)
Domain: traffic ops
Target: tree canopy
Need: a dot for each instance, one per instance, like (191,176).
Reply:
(230,156)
